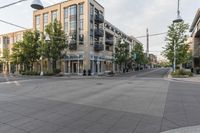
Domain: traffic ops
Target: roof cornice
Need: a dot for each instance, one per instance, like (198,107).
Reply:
(197,16)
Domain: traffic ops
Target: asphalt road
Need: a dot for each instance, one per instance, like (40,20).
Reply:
(139,102)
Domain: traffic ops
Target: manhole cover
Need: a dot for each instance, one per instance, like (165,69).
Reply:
(99,83)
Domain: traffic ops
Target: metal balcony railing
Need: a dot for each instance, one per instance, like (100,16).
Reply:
(109,42)
(98,47)
(99,32)
(99,18)
(73,45)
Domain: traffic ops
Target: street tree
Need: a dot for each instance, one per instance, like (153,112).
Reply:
(17,56)
(121,54)
(53,49)
(26,52)
(6,58)
(176,35)
(138,54)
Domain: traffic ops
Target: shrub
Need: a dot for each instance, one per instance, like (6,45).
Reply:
(56,71)
(181,74)
(49,73)
(30,73)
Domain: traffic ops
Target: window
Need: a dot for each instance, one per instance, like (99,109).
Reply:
(53,15)
(91,9)
(91,40)
(81,10)
(45,19)
(37,22)
(73,26)
(73,10)
(66,20)
(6,40)
(81,24)
(73,19)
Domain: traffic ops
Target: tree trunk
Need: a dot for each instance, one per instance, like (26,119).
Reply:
(49,65)
(54,64)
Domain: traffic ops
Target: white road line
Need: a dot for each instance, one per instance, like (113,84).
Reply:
(148,72)
(17,82)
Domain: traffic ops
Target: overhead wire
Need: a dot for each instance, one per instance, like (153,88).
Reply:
(14,3)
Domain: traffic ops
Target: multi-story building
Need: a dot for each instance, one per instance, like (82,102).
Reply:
(6,42)
(92,39)
(195,29)
(153,60)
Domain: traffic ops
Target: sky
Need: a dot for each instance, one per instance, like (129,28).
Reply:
(131,16)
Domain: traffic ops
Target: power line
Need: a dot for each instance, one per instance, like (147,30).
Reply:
(12,24)
(14,3)
(9,23)
(157,34)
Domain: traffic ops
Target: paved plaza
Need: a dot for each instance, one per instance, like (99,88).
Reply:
(142,102)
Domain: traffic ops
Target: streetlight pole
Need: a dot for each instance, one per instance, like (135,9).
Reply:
(174,57)
(177,20)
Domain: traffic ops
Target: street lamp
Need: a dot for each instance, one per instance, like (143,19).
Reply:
(47,39)
(122,41)
(177,20)
(37,4)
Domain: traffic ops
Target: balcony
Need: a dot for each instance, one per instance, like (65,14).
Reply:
(99,32)
(109,42)
(73,45)
(197,34)
(91,17)
(98,47)
(99,18)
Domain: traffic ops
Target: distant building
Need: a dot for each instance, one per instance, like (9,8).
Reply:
(153,60)
(195,29)
(6,42)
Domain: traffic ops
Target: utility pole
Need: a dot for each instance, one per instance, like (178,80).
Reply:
(147,50)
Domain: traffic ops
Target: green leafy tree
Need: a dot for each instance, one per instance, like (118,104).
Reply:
(138,54)
(177,36)
(26,52)
(121,54)
(6,57)
(57,43)
(17,56)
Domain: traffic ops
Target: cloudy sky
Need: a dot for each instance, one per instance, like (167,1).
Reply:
(131,16)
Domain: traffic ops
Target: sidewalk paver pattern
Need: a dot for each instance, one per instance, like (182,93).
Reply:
(98,106)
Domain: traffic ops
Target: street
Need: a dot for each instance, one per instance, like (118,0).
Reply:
(140,102)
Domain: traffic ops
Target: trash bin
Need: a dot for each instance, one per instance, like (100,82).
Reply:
(89,72)
(84,72)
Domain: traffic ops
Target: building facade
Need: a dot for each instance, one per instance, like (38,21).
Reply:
(6,42)
(92,39)
(195,29)
(153,61)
